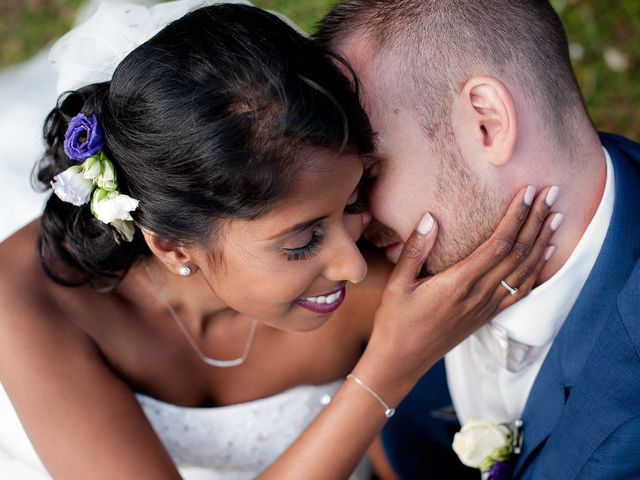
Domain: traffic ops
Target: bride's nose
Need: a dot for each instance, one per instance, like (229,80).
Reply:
(345,260)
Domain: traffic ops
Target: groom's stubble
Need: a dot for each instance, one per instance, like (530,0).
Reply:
(470,208)
(466,208)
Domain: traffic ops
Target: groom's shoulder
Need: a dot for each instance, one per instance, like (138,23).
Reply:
(617,144)
(618,139)
(628,304)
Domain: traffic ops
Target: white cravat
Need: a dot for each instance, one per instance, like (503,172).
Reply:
(491,373)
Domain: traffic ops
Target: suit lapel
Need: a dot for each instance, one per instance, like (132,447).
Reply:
(594,307)
(605,396)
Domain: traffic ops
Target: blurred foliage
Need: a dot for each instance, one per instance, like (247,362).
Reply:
(27,25)
(305,13)
(604,38)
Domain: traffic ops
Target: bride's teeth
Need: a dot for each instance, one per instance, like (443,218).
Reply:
(323,300)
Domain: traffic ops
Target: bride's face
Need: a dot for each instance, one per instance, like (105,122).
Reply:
(289,267)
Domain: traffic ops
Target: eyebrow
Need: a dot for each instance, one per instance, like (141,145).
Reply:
(300,227)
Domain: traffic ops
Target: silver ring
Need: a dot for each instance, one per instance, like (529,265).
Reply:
(512,291)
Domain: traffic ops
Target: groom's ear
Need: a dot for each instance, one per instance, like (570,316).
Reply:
(484,120)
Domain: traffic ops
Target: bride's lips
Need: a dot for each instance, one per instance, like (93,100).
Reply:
(325,303)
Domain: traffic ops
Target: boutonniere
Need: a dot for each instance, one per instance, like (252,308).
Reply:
(489,447)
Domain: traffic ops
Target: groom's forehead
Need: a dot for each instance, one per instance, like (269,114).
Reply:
(359,51)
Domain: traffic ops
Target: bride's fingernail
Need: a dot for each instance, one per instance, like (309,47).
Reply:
(549,252)
(556,221)
(426,224)
(528,195)
(552,196)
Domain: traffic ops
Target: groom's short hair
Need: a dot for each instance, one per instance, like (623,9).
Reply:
(429,48)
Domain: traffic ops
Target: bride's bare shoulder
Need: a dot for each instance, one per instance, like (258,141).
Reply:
(29,301)
(19,263)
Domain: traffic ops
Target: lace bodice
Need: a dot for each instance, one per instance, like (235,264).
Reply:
(238,441)
(231,443)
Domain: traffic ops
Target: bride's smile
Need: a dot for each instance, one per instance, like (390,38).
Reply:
(207,189)
(288,268)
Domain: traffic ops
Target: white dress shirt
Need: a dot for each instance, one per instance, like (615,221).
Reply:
(491,373)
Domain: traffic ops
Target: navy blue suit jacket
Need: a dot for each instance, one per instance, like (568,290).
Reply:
(582,417)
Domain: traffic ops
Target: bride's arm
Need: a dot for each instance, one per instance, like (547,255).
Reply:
(83,420)
(93,427)
(418,321)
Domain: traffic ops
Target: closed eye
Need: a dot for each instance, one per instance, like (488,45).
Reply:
(309,249)
(357,206)
(358,202)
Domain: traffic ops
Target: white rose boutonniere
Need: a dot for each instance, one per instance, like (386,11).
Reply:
(487,446)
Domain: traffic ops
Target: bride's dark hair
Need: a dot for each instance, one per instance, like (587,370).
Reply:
(206,121)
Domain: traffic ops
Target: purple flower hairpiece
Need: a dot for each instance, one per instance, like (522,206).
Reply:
(95,179)
(83,137)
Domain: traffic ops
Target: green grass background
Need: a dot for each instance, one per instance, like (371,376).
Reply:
(598,30)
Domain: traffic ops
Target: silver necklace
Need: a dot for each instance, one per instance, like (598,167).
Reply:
(214,362)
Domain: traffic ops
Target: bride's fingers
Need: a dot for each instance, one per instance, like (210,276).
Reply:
(503,239)
(516,269)
(528,284)
(533,225)
(414,254)
(531,233)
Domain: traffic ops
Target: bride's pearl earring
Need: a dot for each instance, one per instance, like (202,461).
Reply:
(185,271)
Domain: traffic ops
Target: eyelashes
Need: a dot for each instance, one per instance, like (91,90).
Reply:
(361,202)
(357,207)
(308,250)
(313,246)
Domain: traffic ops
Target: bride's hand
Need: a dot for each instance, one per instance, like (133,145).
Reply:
(417,322)
(421,319)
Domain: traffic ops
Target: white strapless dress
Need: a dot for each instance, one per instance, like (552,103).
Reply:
(234,442)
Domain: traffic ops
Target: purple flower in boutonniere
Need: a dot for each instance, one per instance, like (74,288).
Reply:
(83,137)
(498,471)
(489,447)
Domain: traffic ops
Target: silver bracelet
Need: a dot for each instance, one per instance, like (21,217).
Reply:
(388,411)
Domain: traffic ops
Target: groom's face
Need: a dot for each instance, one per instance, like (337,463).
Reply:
(414,173)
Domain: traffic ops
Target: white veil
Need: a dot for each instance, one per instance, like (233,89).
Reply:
(87,54)
(91,51)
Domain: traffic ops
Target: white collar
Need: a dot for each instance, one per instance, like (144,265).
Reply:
(536,319)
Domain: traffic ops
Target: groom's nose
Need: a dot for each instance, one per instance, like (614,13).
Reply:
(380,235)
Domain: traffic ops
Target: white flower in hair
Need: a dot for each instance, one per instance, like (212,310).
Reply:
(71,186)
(100,169)
(111,206)
(107,177)
(91,167)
